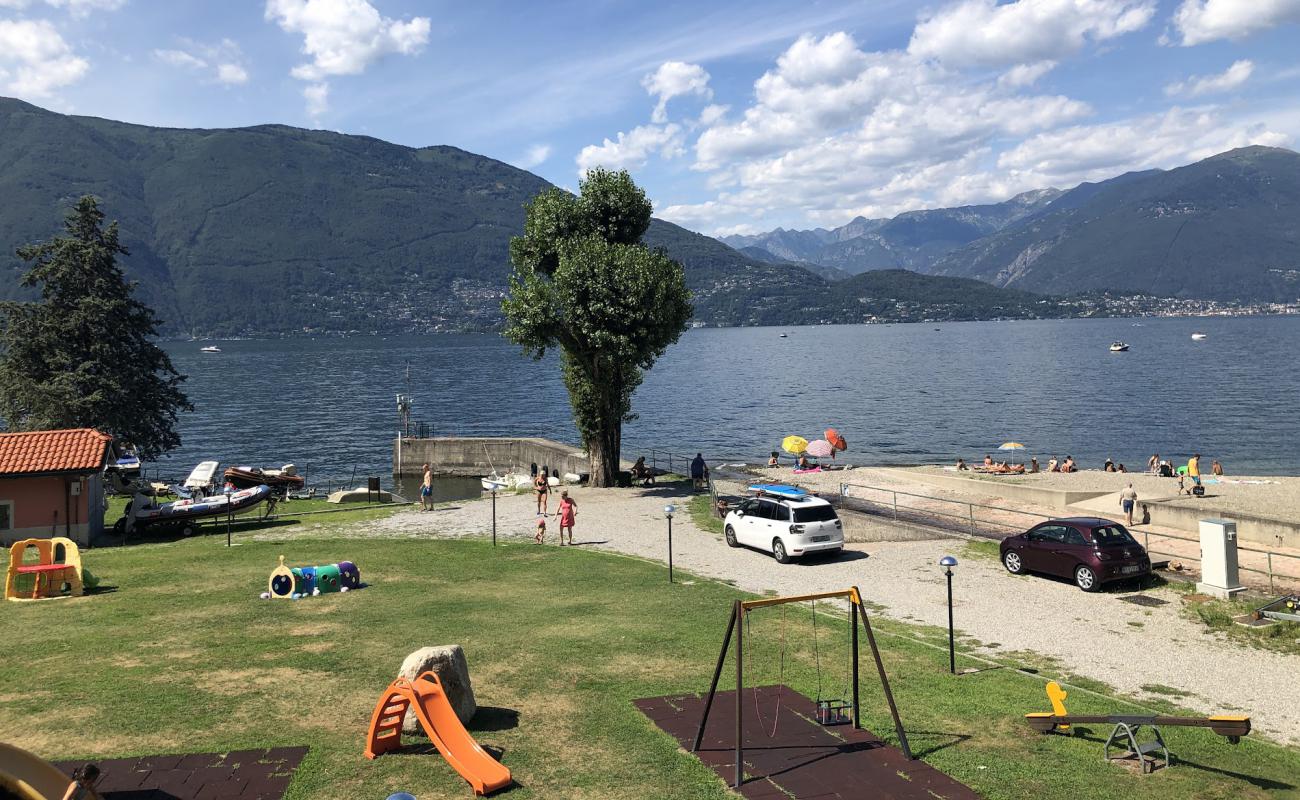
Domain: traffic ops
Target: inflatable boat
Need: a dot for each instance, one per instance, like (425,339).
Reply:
(142,512)
(284,479)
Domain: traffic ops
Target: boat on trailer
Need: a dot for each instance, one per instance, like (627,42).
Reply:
(144,513)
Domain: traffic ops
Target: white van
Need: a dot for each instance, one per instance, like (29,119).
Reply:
(787,526)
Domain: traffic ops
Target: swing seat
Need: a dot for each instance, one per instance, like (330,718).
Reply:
(833,712)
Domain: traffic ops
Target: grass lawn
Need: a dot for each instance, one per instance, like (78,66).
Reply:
(183,657)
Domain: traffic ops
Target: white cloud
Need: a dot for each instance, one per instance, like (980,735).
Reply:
(231,74)
(1200,21)
(1229,79)
(1094,152)
(983,33)
(35,60)
(712,114)
(1026,74)
(343,37)
(221,61)
(536,155)
(179,58)
(318,98)
(631,150)
(675,79)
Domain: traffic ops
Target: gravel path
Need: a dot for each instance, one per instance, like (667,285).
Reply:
(1097,636)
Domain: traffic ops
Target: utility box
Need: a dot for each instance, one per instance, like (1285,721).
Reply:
(1219,559)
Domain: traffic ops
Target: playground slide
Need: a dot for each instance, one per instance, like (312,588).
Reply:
(427,698)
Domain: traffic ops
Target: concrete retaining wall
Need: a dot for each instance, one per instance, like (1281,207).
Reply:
(1250,528)
(1054,498)
(467,455)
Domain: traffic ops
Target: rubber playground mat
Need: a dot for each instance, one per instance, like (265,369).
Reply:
(237,775)
(804,760)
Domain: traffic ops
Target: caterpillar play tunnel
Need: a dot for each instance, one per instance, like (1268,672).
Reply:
(289,582)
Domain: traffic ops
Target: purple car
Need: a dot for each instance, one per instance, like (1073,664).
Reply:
(1088,550)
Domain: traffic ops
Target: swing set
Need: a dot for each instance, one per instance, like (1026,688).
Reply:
(829,711)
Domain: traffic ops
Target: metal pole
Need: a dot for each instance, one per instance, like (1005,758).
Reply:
(494,516)
(229,517)
(952,653)
(717,674)
(853,626)
(1270,571)
(895,494)
(884,678)
(670,549)
(740,685)
(971,509)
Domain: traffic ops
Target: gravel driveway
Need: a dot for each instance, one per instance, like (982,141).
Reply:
(1090,635)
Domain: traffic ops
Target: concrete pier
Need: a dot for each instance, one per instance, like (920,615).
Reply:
(477,456)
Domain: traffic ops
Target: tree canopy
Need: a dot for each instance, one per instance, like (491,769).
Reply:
(584,282)
(83,355)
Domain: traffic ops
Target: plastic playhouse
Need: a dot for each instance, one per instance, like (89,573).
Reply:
(55,569)
(295,582)
(426,697)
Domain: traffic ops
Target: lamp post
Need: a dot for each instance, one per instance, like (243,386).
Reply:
(494,515)
(948,562)
(669,510)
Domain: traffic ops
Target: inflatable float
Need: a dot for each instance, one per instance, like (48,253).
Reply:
(142,512)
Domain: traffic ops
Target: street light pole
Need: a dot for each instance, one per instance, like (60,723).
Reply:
(948,562)
(668,512)
(494,515)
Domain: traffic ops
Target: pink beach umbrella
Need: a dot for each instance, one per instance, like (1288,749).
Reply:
(820,448)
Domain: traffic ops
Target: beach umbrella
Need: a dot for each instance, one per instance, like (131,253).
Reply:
(820,448)
(1012,446)
(837,441)
(794,445)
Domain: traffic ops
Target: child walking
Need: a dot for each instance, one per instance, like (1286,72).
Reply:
(568,510)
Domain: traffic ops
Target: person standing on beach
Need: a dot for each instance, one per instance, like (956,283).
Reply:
(542,487)
(568,512)
(699,471)
(1127,500)
(426,490)
(1194,470)
(1033,464)
(1153,464)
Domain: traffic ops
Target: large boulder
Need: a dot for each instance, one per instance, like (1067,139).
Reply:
(448,662)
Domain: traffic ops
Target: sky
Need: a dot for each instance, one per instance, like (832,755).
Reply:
(736,117)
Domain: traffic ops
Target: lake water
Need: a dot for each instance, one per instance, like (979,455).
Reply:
(901,394)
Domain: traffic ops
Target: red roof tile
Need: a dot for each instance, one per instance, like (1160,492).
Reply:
(76,450)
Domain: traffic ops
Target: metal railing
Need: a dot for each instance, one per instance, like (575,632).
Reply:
(975,519)
(1268,556)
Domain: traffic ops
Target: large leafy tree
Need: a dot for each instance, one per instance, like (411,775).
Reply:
(83,356)
(585,283)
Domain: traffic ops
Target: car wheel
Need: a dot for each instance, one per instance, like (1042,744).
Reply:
(1086,579)
(1012,561)
(730,535)
(779,553)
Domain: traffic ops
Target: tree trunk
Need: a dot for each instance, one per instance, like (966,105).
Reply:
(603,453)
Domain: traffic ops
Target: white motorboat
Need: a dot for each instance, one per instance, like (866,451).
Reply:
(494,483)
(1118,347)
(1199,336)
(212,348)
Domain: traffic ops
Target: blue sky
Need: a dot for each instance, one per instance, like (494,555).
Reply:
(735,116)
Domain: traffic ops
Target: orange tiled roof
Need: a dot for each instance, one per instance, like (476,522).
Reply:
(76,450)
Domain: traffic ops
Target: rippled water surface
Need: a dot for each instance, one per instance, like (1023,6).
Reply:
(900,393)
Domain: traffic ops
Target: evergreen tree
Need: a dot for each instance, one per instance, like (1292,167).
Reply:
(83,356)
(585,283)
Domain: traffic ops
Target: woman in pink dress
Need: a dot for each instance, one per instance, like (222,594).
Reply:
(568,510)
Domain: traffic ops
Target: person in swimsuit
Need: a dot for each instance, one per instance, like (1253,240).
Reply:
(426,490)
(542,488)
(568,511)
(774,460)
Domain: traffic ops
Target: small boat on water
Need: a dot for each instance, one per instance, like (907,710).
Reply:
(1118,347)
(284,479)
(1199,336)
(212,348)
(784,336)
(142,512)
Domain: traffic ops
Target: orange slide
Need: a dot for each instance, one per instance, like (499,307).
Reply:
(426,697)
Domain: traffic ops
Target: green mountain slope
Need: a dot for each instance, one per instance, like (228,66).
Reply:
(1225,228)
(275,229)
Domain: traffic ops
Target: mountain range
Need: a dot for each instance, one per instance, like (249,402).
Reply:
(1225,228)
(278,230)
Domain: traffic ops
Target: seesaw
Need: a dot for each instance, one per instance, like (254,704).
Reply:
(1127,727)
